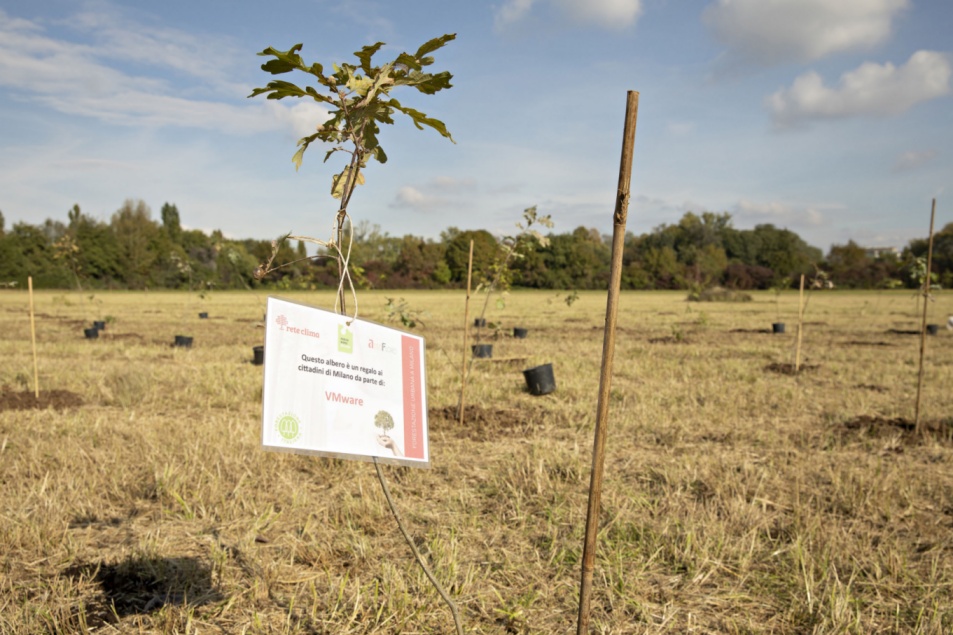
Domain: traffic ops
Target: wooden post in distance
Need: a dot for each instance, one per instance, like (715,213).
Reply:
(923,324)
(36,371)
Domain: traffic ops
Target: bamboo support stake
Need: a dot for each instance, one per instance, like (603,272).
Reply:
(36,370)
(800,327)
(466,331)
(923,324)
(608,351)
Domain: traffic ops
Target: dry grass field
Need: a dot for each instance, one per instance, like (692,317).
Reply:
(737,498)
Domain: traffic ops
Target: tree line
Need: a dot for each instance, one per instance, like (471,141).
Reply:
(135,251)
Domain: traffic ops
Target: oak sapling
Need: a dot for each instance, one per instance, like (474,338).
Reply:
(358,100)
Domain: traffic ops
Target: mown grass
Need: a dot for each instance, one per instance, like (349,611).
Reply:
(736,500)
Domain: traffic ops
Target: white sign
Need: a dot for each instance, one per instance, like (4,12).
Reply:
(348,390)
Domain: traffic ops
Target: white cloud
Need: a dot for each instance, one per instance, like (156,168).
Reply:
(412,198)
(775,212)
(913,159)
(871,89)
(512,11)
(608,14)
(117,37)
(451,184)
(768,32)
(78,79)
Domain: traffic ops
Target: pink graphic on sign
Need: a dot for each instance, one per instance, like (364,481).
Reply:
(413,404)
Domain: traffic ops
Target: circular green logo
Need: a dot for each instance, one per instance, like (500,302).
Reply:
(288,427)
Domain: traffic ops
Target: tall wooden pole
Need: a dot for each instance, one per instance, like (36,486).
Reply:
(800,327)
(923,324)
(466,331)
(608,351)
(36,370)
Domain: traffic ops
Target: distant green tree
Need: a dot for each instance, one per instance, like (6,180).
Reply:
(485,252)
(29,253)
(171,223)
(98,252)
(420,264)
(138,238)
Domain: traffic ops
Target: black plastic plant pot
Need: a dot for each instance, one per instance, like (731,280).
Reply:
(203,315)
(519,333)
(99,325)
(91,334)
(479,322)
(483,350)
(185,341)
(540,380)
(259,358)
(933,329)
(777,327)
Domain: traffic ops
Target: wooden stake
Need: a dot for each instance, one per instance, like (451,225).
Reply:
(608,351)
(466,331)
(36,371)
(923,324)
(800,326)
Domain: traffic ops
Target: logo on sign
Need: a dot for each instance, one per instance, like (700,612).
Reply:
(345,339)
(288,427)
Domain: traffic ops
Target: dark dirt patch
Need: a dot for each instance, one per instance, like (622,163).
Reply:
(903,331)
(668,339)
(140,585)
(788,369)
(872,387)
(26,400)
(750,331)
(864,343)
(485,424)
(875,426)
(106,335)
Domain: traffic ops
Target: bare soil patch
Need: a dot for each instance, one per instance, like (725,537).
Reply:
(903,331)
(26,400)
(750,331)
(486,424)
(866,343)
(788,369)
(106,335)
(877,427)
(668,339)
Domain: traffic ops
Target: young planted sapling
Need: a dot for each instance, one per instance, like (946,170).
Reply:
(358,97)
(512,248)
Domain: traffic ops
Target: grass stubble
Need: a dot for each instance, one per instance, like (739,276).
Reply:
(736,499)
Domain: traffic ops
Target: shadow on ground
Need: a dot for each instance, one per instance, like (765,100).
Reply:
(143,585)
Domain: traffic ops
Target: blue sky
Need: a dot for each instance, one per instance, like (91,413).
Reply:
(833,119)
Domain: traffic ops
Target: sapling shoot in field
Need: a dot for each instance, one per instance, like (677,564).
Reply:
(358,97)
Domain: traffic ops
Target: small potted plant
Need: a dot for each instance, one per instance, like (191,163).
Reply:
(778,326)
